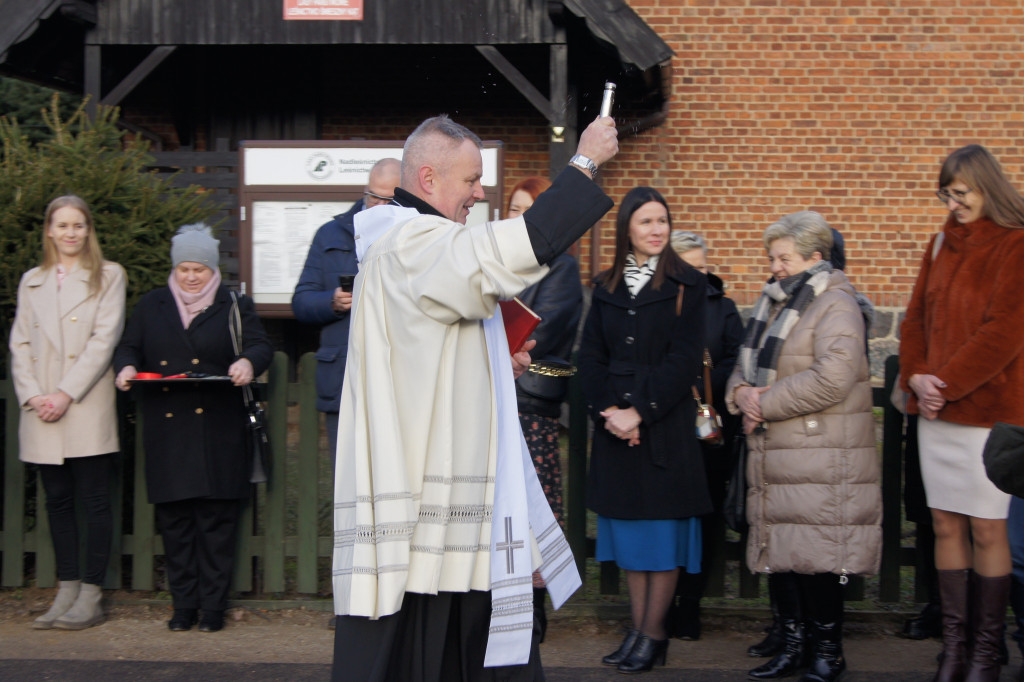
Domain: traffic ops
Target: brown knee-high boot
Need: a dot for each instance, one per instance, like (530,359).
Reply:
(953,587)
(991,596)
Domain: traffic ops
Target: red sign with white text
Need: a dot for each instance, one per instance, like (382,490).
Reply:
(323,10)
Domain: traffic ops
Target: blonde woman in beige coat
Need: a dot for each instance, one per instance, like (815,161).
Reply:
(801,384)
(70,315)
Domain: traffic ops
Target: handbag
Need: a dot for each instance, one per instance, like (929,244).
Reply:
(709,423)
(259,442)
(547,379)
(734,507)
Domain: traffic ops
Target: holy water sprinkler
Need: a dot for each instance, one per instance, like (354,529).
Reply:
(608,99)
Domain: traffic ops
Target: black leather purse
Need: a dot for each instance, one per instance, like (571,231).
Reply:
(259,442)
(734,508)
(547,379)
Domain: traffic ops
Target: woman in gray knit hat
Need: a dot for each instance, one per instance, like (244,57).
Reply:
(198,460)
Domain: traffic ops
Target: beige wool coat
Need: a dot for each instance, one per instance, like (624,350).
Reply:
(814,502)
(63,339)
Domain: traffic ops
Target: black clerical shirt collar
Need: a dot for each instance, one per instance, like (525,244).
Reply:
(403,198)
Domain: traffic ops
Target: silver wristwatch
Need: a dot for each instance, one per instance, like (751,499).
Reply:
(585,163)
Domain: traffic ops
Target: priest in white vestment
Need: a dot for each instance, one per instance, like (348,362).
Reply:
(430,455)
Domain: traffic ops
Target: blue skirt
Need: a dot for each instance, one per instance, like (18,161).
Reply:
(650,545)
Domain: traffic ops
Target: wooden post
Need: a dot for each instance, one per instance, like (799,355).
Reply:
(93,79)
(13,544)
(892,486)
(274,504)
(309,454)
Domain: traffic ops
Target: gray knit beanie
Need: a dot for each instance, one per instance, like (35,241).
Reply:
(195,244)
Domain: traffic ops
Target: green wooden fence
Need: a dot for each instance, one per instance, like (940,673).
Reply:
(287,543)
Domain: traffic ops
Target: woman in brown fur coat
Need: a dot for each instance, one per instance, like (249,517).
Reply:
(961,360)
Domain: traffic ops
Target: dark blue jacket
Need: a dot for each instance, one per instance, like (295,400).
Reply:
(332,253)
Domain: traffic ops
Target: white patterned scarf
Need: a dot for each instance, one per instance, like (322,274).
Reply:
(520,508)
(637,276)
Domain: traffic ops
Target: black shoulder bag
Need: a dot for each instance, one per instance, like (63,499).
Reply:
(259,443)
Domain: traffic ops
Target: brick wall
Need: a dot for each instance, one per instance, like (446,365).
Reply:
(846,107)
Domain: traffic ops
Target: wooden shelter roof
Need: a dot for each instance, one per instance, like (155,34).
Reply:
(42,40)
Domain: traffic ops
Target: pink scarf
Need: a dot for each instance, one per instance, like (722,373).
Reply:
(190,305)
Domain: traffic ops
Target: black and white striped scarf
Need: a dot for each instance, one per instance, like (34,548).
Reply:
(759,355)
(637,276)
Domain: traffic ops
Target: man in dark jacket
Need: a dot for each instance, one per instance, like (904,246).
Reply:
(319,300)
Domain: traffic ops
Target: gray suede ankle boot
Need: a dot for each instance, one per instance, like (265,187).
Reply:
(65,599)
(86,612)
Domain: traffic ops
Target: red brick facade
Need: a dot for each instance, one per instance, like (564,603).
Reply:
(845,107)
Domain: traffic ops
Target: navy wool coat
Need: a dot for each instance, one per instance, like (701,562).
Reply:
(194,434)
(636,352)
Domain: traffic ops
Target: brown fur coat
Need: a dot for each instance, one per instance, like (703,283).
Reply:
(965,324)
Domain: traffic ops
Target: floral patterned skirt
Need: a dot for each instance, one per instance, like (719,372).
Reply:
(541,435)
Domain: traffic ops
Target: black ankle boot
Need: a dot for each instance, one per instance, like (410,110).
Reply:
(623,651)
(789,660)
(645,655)
(182,620)
(772,644)
(828,663)
(926,624)
(686,621)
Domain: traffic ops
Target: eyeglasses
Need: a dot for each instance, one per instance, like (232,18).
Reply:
(375,199)
(956,195)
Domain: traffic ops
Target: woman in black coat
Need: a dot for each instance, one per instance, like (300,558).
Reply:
(722,339)
(198,459)
(643,339)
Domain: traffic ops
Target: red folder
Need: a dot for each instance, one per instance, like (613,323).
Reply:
(520,322)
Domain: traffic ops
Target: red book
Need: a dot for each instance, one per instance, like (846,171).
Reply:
(520,322)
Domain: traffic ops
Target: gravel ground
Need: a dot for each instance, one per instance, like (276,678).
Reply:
(136,633)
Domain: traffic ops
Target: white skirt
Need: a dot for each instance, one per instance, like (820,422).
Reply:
(954,473)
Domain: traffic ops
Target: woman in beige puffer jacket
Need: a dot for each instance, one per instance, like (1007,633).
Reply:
(813,502)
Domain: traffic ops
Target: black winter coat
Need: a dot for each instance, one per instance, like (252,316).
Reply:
(558,299)
(194,433)
(724,335)
(637,352)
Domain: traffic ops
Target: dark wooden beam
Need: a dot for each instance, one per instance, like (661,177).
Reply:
(91,86)
(516,78)
(138,74)
(563,114)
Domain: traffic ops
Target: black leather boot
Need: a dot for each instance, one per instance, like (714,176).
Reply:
(619,655)
(772,644)
(686,621)
(926,624)
(789,660)
(645,655)
(828,663)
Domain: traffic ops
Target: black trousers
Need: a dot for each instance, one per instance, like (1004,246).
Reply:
(199,544)
(88,479)
(432,638)
(816,596)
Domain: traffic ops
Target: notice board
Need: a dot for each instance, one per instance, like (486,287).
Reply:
(290,188)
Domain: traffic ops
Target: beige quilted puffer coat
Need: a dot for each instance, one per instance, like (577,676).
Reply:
(813,499)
